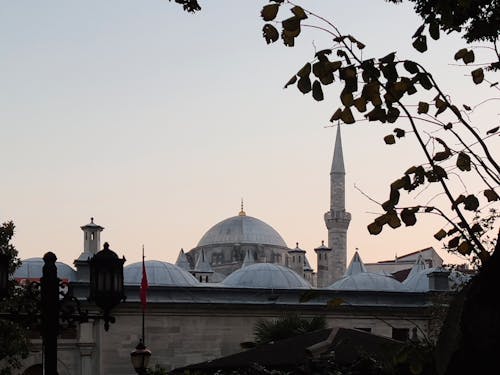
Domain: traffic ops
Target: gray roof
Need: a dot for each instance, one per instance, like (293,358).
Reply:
(242,229)
(182,261)
(158,273)
(357,278)
(417,267)
(356,266)
(419,282)
(249,259)
(338,156)
(32,269)
(202,264)
(266,275)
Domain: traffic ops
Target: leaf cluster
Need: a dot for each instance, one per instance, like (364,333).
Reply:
(378,90)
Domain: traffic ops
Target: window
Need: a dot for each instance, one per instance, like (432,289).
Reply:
(400,334)
(92,236)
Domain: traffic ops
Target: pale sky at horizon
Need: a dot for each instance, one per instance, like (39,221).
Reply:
(156,122)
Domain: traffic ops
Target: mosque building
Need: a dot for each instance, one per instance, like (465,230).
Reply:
(241,270)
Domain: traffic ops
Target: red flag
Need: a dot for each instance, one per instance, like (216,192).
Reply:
(144,284)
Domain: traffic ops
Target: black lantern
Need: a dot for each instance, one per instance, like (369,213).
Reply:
(140,358)
(4,275)
(106,281)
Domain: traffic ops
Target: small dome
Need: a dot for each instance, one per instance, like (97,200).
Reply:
(159,273)
(357,278)
(242,229)
(368,281)
(32,269)
(266,275)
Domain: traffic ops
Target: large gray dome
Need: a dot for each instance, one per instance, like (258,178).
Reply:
(243,230)
(158,273)
(266,275)
(32,269)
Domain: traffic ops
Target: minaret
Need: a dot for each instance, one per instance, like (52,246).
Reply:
(323,254)
(337,219)
(91,245)
(296,260)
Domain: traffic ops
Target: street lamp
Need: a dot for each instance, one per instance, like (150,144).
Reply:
(106,289)
(106,281)
(140,358)
(4,275)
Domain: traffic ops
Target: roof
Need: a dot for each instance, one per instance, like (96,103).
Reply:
(31,268)
(357,278)
(249,259)
(158,273)
(338,157)
(290,353)
(241,230)
(404,258)
(182,261)
(202,264)
(266,275)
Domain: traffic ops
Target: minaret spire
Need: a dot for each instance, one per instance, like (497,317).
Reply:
(338,155)
(337,219)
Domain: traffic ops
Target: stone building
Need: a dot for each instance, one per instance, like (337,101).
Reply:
(241,271)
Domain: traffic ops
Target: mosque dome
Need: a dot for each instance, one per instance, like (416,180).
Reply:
(242,229)
(368,281)
(158,273)
(358,279)
(266,275)
(31,268)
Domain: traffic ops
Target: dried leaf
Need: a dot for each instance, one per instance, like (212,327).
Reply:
(389,139)
(305,70)
(336,116)
(493,131)
(408,216)
(464,248)
(420,44)
(400,133)
(440,235)
(491,195)
(471,203)
(270,33)
(299,12)
(304,85)
(269,12)
(291,81)
(477,76)
(434,30)
(410,66)
(463,162)
(347,116)
(317,92)
(423,107)
(375,228)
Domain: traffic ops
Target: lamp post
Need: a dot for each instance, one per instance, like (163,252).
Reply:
(106,281)
(106,290)
(140,358)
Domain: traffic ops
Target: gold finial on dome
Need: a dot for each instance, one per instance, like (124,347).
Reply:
(242,213)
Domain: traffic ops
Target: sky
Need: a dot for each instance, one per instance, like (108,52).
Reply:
(157,122)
